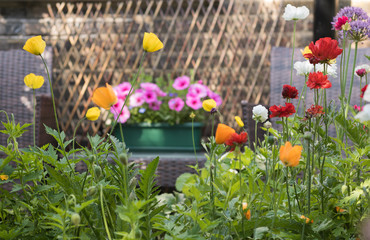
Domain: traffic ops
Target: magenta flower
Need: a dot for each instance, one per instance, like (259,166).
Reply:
(215,97)
(137,99)
(149,86)
(155,106)
(122,90)
(150,96)
(124,116)
(341,21)
(198,90)
(193,102)
(181,83)
(176,104)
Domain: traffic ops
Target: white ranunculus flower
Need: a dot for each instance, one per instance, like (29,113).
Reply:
(364,115)
(363,66)
(303,68)
(367,94)
(260,113)
(331,69)
(295,13)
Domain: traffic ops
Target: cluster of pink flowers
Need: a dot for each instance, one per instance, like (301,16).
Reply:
(150,96)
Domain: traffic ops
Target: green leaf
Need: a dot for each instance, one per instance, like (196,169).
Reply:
(260,232)
(182,180)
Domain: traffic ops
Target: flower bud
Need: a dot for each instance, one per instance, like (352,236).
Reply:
(123,158)
(267,124)
(271,139)
(346,26)
(91,191)
(344,188)
(97,170)
(10,146)
(92,158)
(75,219)
(307,135)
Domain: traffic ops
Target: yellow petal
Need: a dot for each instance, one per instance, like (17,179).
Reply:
(151,42)
(209,104)
(35,45)
(239,121)
(4,177)
(33,81)
(306,50)
(93,114)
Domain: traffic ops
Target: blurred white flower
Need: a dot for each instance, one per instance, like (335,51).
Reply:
(260,113)
(295,13)
(303,68)
(331,70)
(367,95)
(364,115)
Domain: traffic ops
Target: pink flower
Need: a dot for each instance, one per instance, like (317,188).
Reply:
(198,90)
(150,96)
(136,99)
(181,83)
(153,87)
(176,104)
(215,97)
(155,106)
(193,102)
(116,108)
(124,116)
(341,21)
(122,90)
(358,108)
(200,81)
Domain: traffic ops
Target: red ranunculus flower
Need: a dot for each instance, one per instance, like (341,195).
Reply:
(317,80)
(281,111)
(361,72)
(324,50)
(363,91)
(341,21)
(314,111)
(236,140)
(289,92)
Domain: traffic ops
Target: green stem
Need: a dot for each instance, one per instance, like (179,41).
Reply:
(192,136)
(291,67)
(34,117)
(129,92)
(74,135)
(241,193)
(309,169)
(103,214)
(287,192)
(351,84)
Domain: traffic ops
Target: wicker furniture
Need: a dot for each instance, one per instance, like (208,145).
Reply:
(16,97)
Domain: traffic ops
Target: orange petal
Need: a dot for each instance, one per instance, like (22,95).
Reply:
(223,133)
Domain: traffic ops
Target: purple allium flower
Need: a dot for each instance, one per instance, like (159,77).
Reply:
(155,106)
(181,83)
(137,99)
(150,96)
(176,104)
(198,90)
(358,21)
(193,102)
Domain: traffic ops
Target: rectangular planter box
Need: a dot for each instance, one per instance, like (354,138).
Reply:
(161,136)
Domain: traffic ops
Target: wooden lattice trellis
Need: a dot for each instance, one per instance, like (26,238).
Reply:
(225,42)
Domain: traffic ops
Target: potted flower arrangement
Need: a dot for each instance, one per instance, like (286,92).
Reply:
(157,115)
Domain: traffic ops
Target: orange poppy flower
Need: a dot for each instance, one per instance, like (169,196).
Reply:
(307,219)
(246,213)
(223,133)
(104,97)
(290,155)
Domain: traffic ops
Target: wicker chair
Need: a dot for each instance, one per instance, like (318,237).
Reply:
(16,98)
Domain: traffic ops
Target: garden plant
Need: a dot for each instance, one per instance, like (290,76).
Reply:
(297,183)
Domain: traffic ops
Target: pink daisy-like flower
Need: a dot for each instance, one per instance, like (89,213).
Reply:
(181,83)
(176,104)
(215,97)
(155,106)
(136,99)
(193,102)
(116,108)
(122,90)
(150,96)
(149,86)
(124,116)
(198,90)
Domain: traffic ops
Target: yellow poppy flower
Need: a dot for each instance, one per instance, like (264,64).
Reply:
(306,50)
(290,155)
(239,121)
(151,42)
(104,97)
(223,133)
(33,81)
(247,214)
(93,114)
(35,45)
(4,177)
(209,104)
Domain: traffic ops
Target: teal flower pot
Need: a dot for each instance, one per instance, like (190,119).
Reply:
(160,136)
